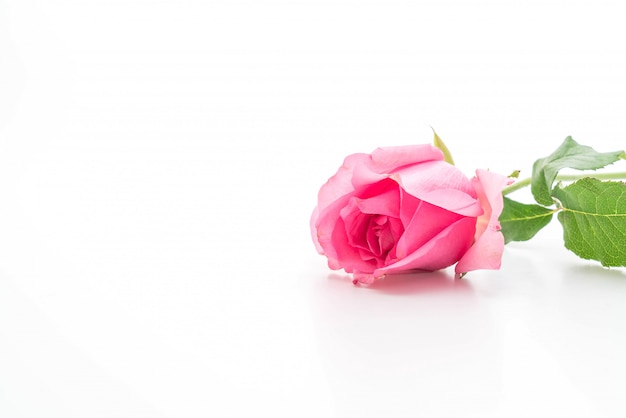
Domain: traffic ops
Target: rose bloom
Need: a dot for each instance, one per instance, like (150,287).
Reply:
(405,208)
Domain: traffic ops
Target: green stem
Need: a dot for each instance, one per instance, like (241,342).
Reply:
(567,177)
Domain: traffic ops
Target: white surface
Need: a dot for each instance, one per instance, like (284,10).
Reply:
(159,162)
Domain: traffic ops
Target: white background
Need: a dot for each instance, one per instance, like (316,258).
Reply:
(159,161)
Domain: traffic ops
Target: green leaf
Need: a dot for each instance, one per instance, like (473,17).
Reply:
(520,222)
(593,216)
(569,155)
(447,155)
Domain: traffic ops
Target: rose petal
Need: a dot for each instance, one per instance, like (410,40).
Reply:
(428,220)
(440,252)
(397,229)
(454,201)
(314,217)
(356,224)
(486,252)
(340,184)
(440,184)
(408,206)
(323,224)
(384,161)
(333,195)
(373,240)
(433,175)
(364,278)
(385,203)
(350,258)
(387,159)
(386,238)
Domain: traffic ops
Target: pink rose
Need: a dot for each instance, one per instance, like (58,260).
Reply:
(405,208)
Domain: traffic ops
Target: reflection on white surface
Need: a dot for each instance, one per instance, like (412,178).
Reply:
(409,344)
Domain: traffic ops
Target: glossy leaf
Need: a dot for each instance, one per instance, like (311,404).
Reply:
(569,155)
(593,216)
(520,222)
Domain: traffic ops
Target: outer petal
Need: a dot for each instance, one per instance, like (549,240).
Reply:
(486,252)
(365,278)
(428,221)
(340,184)
(323,225)
(454,201)
(388,159)
(385,161)
(314,217)
(440,184)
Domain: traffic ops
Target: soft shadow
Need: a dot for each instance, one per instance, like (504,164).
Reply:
(339,277)
(596,277)
(407,336)
(594,271)
(414,282)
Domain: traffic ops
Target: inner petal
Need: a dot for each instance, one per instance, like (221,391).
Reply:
(386,240)
(350,258)
(382,235)
(385,201)
(356,224)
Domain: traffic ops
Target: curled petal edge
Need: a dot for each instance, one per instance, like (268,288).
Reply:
(486,252)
